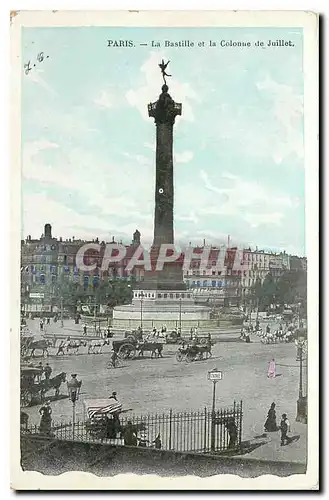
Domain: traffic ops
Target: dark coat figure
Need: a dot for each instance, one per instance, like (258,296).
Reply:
(48,321)
(284,428)
(268,329)
(85,329)
(45,422)
(270,423)
(129,435)
(48,371)
(232,432)
(157,442)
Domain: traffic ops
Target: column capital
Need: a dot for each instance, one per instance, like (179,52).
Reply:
(165,109)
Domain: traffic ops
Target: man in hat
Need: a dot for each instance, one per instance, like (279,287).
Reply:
(284,428)
(113,396)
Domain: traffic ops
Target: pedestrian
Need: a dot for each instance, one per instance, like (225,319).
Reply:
(85,329)
(60,349)
(232,432)
(129,435)
(270,423)
(41,325)
(143,439)
(284,428)
(48,321)
(271,372)
(268,329)
(114,357)
(113,396)
(48,371)
(157,442)
(45,422)
(40,366)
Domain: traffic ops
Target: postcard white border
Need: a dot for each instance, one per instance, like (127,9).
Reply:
(21,480)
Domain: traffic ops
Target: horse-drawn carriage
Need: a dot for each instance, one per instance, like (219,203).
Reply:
(133,345)
(30,384)
(104,419)
(193,352)
(173,337)
(33,389)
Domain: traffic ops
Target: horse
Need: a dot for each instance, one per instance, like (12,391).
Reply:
(155,349)
(95,346)
(39,345)
(73,345)
(52,383)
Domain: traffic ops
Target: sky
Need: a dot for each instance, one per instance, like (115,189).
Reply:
(88,145)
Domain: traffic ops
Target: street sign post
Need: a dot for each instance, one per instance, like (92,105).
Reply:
(213,375)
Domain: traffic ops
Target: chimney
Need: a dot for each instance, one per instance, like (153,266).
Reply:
(47,231)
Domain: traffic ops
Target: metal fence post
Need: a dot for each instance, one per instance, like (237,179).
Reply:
(205,431)
(240,426)
(170,424)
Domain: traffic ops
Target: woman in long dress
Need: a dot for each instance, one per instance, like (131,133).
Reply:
(270,423)
(271,372)
(45,422)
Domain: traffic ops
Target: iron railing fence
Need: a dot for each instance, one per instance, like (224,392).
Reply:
(200,431)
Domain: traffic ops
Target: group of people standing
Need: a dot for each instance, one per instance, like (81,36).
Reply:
(284,427)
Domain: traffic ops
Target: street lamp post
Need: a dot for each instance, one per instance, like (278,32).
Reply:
(141,295)
(213,375)
(180,315)
(62,322)
(73,388)
(302,400)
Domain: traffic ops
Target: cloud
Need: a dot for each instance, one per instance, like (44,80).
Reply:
(272,127)
(111,196)
(246,199)
(180,92)
(142,160)
(191,217)
(150,146)
(184,157)
(34,76)
(257,219)
(288,111)
(103,100)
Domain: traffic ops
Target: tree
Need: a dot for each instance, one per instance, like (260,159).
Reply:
(292,288)
(267,292)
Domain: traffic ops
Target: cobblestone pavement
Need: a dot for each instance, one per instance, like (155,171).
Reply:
(156,385)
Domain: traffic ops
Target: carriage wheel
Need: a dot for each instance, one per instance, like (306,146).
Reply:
(179,356)
(189,358)
(26,398)
(203,341)
(127,351)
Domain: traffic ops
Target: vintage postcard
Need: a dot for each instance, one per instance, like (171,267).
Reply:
(164,241)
